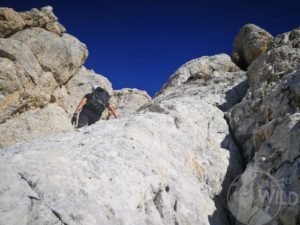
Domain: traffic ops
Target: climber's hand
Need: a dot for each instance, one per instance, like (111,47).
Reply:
(74,119)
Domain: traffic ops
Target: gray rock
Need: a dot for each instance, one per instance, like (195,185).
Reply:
(204,67)
(251,42)
(291,38)
(266,126)
(273,93)
(166,164)
(128,101)
(34,124)
(167,160)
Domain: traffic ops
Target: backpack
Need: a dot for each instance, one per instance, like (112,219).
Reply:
(98,100)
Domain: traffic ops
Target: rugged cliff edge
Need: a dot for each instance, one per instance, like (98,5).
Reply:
(167,160)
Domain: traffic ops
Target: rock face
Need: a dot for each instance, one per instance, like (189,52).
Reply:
(35,70)
(40,68)
(266,125)
(165,165)
(251,42)
(173,159)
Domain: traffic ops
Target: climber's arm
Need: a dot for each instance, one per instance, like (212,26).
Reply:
(80,105)
(113,111)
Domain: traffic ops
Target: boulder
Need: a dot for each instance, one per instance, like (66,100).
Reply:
(62,56)
(251,42)
(128,101)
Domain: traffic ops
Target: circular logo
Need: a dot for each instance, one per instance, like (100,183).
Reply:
(254,197)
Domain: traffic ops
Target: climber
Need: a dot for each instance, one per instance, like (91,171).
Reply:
(92,106)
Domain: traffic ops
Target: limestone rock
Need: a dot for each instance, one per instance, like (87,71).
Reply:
(62,56)
(128,101)
(204,67)
(38,68)
(166,164)
(266,126)
(251,42)
(167,160)
(34,124)
(12,21)
(273,93)
(34,63)
(24,84)
(43,18)
(291,38)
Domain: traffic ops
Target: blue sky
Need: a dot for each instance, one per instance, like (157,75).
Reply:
(141,43)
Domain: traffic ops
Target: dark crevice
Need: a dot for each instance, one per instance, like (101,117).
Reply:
(222,215)
(32,79)
(157,200)
(156,108)
(234,96)
(29,182)
(177,122)
(4,54)
(239,61)
(167,188)
(175,206)
(244,161)
(58,216)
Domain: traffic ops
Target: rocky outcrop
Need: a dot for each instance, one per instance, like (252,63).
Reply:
(291,38)
(165,165)
(62,56)
(12,22)
(35,62)
(251,42)
(40,68)
(204,67)
(266,125)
